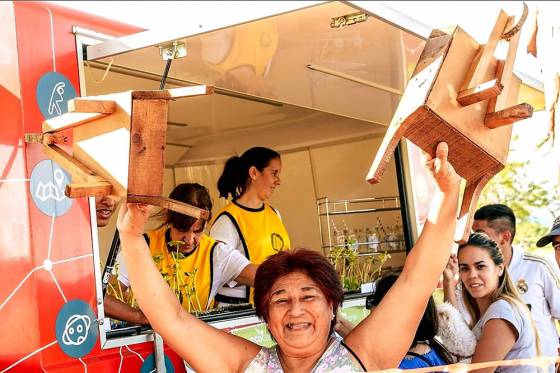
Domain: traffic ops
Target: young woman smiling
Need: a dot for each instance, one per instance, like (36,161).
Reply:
(502,324)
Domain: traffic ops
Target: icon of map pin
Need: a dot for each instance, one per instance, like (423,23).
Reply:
(58,178)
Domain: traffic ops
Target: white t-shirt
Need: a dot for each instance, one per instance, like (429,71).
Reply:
(224,230)
(227,265)
(525,346)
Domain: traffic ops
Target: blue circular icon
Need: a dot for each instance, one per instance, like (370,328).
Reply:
(149,365)
(76,328)
(47,185)
(53,92)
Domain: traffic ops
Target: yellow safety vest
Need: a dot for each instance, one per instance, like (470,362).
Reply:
(189,276)
(261,232)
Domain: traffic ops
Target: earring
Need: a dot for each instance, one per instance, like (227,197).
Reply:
(332,318)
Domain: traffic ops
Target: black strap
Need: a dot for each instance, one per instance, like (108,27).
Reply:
(355,356)
(421,357)
(229,300)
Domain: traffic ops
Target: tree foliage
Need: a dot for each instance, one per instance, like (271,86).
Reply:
(513,188)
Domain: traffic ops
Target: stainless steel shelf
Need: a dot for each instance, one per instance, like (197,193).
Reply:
(362,211)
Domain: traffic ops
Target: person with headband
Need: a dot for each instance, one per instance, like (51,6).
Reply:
(248,223)
(191,262)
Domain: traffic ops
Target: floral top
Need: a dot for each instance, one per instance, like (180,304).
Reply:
(337,358)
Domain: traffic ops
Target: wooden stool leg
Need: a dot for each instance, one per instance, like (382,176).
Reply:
(468,206)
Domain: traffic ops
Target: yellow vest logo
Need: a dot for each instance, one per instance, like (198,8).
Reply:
(277,242)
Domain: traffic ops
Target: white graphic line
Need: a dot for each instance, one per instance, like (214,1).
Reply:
(58,286)
(52,40)
(134,352)
(85,366)
(9,180)
(19,285)
(72,259)
(28,356)
(122,357)
(50,238)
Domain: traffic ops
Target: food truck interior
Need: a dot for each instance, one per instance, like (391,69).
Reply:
(320,86)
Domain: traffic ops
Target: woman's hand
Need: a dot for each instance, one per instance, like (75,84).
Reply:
(132,219)
(452,268)
(443,172)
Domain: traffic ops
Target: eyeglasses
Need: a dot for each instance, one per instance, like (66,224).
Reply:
(556,245)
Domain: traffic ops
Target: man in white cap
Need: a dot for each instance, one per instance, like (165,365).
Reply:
(552,237)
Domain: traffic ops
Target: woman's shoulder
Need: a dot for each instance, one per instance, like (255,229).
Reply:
(506,310)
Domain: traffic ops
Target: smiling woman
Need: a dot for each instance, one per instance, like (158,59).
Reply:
(495,306)
(298,294)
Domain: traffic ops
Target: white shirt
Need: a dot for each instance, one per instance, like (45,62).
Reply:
(224,230)
(543,294)
(227,265)
(542,281)
(524,347)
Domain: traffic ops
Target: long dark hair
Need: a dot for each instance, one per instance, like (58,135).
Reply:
(235,178)
(429,324)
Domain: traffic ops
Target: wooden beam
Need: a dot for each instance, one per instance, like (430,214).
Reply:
(481,92)
(491,107)
(148,125)
(484,56)
(84,105)
(468,207)
(69,120)
(170,94)
(98,189)
(46,138)
(508,116)
(170,204)
(502,100)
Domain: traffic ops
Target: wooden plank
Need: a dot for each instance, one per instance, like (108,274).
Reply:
(46,138)
(80,173)
(499,73)
(147,147)
(170,204)
(468,206)
(84,105)
(169,94)
(98,189)
(508,116)
(479,93)
(507,74)
(69,120)
(482,60)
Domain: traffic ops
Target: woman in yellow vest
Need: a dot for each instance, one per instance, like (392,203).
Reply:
(248,223)
(194,265)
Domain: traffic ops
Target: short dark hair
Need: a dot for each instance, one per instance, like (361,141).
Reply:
(499,217)
(192,193)
(234,179)
(309,262)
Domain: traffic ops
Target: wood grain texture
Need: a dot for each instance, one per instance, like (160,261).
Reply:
(508,116)
(169,94)
(170,204)
(85,105)
(481,92)
(97,189)
(147,147)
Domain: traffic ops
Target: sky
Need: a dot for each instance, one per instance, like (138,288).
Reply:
(475,17)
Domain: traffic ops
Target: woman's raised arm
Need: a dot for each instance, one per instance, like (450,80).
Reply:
(384,337)
(202,346)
